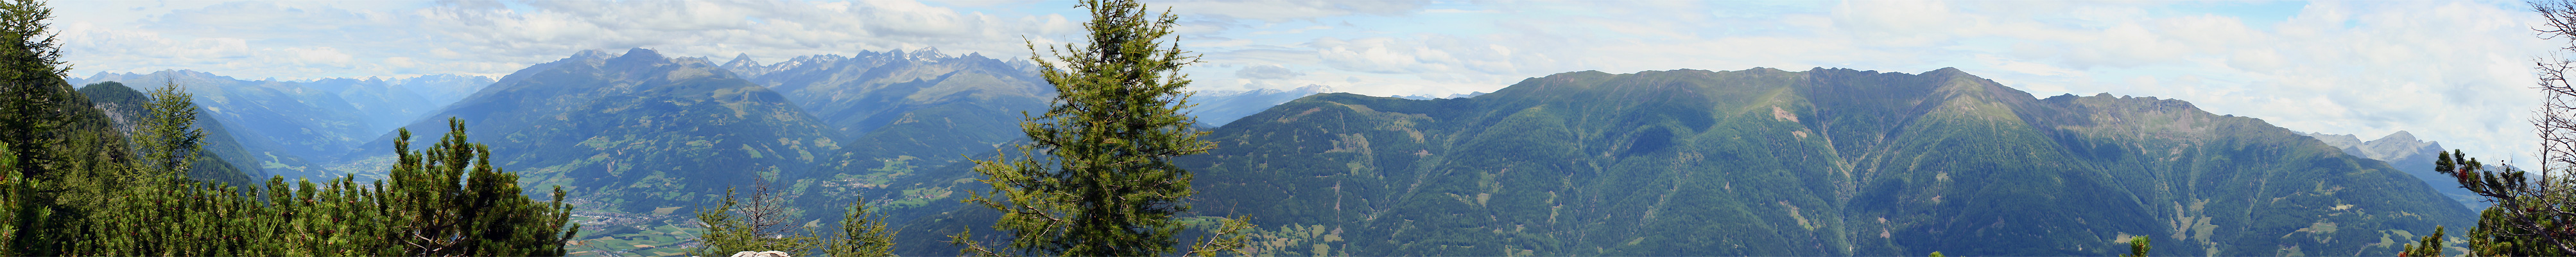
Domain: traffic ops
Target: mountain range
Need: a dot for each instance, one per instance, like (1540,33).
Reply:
(1823,162)
(1220,107)
(919,107)
(2415,157)
(633,137)
(296,128)
(397,102)
(1831,161)
(641,139)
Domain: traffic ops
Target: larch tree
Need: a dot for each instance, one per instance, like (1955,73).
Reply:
(1096,177)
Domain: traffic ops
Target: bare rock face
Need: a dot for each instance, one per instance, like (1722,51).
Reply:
(760,254)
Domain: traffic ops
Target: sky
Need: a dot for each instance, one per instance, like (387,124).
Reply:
(2458,72)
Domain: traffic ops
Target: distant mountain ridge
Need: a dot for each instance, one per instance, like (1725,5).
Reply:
(1834,162)
(638,135)
(635,138)
(2394,146)
(1220,107)
(1431,97)
(285,124)
(569,118)
(290,126)
(2414,157)
(391,103)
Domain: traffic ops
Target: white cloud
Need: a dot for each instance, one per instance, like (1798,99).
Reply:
(1273,71)
(1281,10)
(493,37)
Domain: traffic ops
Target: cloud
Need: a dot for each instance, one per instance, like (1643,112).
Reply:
(1273,71)
(766,29)
(316,39)
(1419,54)
(1282,10)
(497,37)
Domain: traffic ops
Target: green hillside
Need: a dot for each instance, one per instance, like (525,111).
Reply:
(1770,162)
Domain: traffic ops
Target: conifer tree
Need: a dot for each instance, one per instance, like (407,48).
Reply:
(2527,217)
(754,223)
(484,216)
(2428,246)
(2137,246)
(66,150)
(154,209)
(18,207)
(1105,185)
(862,234)
(167,137)
(31,98)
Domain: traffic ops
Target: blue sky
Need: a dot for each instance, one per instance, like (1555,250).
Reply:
(2453,71)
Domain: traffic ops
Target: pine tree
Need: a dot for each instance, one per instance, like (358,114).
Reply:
(862,234)
(1106,185)
(484,216)
(18,206)
(2526,216)
(2137,246)
(154,209)
(2428,246)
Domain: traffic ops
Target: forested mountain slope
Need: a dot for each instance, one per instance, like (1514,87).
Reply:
(920,106)
(224,159)
(1819,162)
(635,137)
(282,124)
